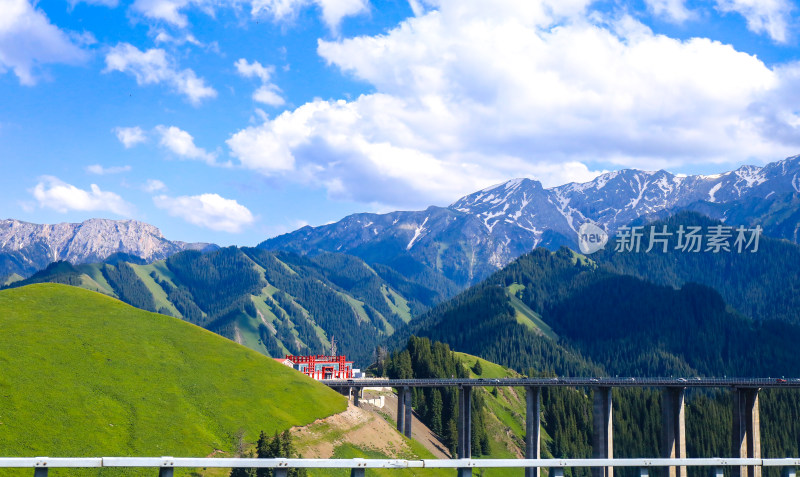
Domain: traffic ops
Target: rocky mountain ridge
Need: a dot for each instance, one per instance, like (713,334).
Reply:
(26,247)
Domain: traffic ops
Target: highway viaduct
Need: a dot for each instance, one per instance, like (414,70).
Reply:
(746,438)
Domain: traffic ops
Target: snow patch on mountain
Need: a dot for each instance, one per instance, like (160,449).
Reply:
(713,192)
(417,232)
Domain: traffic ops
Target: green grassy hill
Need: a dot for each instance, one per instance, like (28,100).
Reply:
(84,374)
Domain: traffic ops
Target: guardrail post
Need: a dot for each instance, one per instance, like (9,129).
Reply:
(408,401)
(718,472)
(357,472)
(557,472)
(789,472)
(603,438)
(643,472)
(673,428)
(40,472)
(746,439)
(166,469)
(281,472)
(532,428)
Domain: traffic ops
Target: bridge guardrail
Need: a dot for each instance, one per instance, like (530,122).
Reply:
(220,462)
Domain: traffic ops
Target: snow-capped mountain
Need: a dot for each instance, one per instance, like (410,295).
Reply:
(26,248)
(485,230)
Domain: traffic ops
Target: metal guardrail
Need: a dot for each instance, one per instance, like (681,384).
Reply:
(690,382)
(216,462)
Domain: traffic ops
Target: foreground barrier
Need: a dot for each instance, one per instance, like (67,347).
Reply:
(165,465)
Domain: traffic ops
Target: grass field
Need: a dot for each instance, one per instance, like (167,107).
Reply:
(84,374)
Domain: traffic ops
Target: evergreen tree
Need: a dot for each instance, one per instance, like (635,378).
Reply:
(477,368)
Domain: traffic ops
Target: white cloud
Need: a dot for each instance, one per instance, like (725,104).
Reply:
(181,143)
(154,185)
(164,10)
(166,38)
(476,92)
(254,69)
(28,40)
(56,194)
(102,3)
(173,11)
(333,11)
(763,16)
(130,137)
(100,170)
(267,93)
(673,10)
(207,210)
(154,67)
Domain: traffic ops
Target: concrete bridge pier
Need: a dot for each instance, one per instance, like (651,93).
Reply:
(746,439)
(533,397)
(401,409)
(407,419)
(404,410)
(673,428)
(603,438)
(357,396)
(464,428)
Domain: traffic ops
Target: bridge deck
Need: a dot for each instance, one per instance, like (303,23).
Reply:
(575,382)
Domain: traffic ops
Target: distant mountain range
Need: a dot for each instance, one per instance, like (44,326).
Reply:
(26,248)
(483,231)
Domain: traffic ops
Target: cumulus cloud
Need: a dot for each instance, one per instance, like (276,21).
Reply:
(173,11)
(154,185)
(100,170)
(673,10)
(53,193)
(267,93)
(181,143)
(207,210)
(164,10)
(28,40)
(771,17)
(130,137)
(473,93)
(333,11)
(154,67)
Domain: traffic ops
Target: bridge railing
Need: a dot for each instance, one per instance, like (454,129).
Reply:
(165,465)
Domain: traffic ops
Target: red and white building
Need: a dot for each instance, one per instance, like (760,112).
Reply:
(321,366)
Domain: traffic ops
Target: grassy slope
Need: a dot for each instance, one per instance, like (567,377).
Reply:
(526,316)
(86,375)
(10,279)
(94,272)
(159,295)
(399,305)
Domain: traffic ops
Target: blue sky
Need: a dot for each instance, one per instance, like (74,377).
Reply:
(231,121)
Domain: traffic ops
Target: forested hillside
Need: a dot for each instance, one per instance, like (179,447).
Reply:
(762,285)
(276,303)
(589,320)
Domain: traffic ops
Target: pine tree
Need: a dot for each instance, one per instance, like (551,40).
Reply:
(477,368)
(244,471)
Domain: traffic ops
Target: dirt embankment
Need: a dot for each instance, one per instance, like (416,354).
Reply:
(365,427)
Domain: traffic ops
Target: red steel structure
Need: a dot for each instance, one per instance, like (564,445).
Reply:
(322,366)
